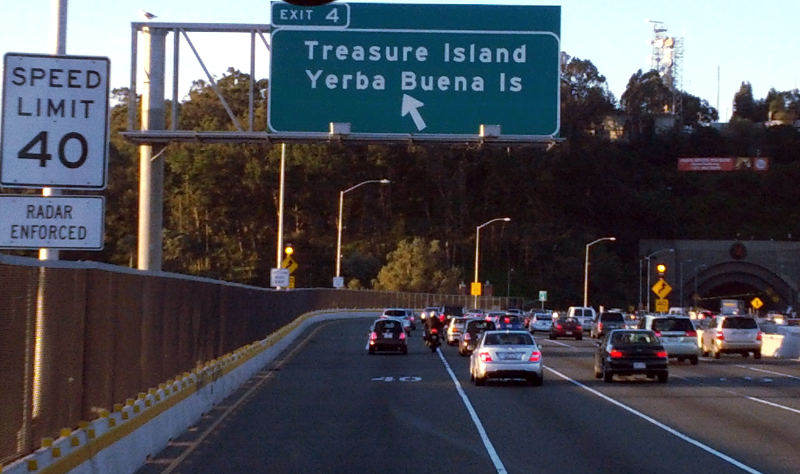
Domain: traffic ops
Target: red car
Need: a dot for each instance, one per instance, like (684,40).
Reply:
(566,327)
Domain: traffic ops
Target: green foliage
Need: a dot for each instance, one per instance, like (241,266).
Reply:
(585,98)
(420,266)
(220,216)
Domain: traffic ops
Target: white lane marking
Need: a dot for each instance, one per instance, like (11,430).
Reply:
(657,423)
(769,372)
(553,341)
(772,404)
(498,464)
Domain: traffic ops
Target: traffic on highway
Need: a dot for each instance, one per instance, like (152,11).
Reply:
(517,401)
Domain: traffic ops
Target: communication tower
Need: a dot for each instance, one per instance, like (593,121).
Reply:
(666,58)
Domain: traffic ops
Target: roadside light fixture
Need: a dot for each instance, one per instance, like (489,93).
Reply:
(339,221)
(477,249)
(586,268)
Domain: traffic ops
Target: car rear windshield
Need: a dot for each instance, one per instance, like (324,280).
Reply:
(543,317)
(508,340)
(612,317)
(739,323)
(395,313)
(453,310)
(623,338)
(672,324)
(481,325)
(387,325)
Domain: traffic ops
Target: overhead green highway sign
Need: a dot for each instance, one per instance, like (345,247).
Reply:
(421,70)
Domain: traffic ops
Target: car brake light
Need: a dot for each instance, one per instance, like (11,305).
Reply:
(720,335)
(485,357)
(658,333)
(536,356)
(402,335)
(599,326)
(373,336)
(758,337)
(662,354)
(578,327)
(691,333)
(506,320)
(559,326)
(615,353)
(434,331)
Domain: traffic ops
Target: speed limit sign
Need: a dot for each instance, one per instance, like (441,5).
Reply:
(55,121)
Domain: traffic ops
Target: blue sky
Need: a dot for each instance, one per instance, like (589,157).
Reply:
(743,40)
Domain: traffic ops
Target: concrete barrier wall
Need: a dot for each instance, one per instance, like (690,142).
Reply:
(120,441)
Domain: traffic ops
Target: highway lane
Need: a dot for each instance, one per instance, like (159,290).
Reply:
(746,408)
(328,406)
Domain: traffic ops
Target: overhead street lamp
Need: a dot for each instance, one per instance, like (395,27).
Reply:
(586,269)
(478,246)
(339,222)
(648,257)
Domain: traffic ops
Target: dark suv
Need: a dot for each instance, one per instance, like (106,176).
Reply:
(605,322)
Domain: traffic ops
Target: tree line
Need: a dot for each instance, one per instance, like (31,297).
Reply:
(418,233)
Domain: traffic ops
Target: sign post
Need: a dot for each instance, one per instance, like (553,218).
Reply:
(431,71)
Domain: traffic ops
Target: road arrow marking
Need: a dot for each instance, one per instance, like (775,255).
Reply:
(410,106)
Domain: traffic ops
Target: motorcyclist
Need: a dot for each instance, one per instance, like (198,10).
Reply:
(433,323)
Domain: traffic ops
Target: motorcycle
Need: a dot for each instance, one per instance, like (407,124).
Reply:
(433,340)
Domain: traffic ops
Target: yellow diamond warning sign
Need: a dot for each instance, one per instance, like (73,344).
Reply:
(661,288)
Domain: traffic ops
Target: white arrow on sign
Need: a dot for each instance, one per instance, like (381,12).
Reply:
(410,106)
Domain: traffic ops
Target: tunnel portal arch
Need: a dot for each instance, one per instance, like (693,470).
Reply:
(738,280)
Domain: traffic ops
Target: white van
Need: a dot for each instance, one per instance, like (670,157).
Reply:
(585,314)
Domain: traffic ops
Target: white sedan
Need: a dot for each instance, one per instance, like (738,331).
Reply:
(506,354)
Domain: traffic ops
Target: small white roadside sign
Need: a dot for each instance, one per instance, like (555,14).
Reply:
(279,278)
(55,121)
(57,222)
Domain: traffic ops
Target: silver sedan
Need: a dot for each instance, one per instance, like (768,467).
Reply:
(506,354)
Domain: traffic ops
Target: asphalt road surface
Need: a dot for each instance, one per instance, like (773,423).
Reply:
(328,406)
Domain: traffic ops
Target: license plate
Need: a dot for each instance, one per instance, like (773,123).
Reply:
(568,333)
(508,355)
(387,335)
(639,365)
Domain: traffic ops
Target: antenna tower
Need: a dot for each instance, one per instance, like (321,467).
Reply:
(666,58)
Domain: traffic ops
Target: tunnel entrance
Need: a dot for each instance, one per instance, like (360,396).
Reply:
(739,281)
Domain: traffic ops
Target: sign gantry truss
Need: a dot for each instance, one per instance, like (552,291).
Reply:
(514,42)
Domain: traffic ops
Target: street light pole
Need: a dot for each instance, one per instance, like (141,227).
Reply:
(586,269)
(648,272)
(477,250)
(697,269)
(680,277)
(339,221)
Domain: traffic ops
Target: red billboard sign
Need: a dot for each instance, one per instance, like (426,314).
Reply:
(737,163)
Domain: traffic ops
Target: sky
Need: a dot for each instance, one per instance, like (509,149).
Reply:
(725,42)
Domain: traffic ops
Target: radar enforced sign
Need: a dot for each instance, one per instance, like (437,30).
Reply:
(55,121)
(57,222)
